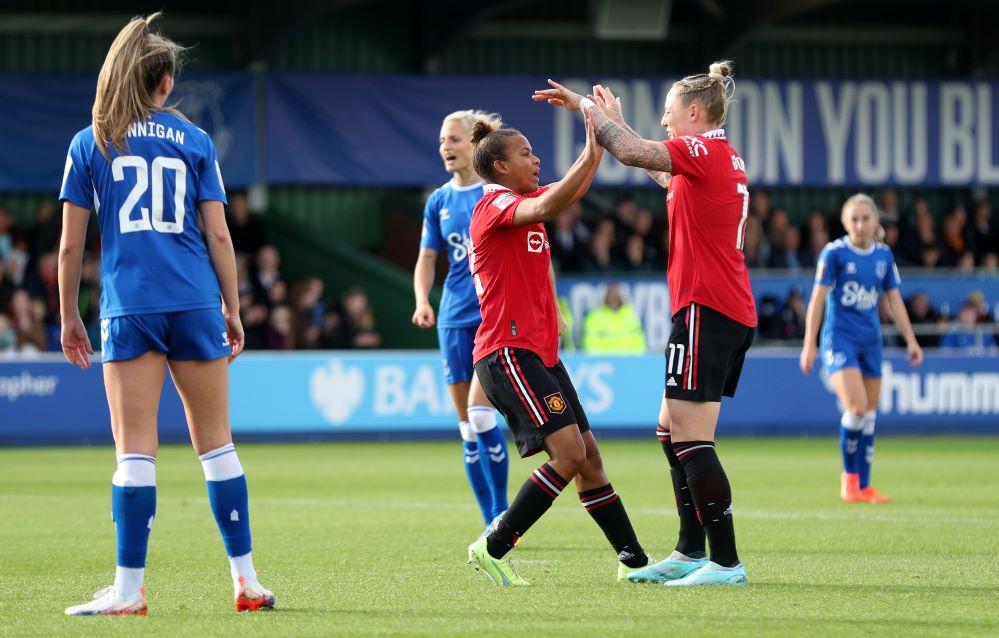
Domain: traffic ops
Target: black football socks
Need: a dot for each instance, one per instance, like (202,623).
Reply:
(606,508)
(536,495)
(712,496)
(691,542)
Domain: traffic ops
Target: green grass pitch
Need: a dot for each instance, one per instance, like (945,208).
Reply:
(369,539)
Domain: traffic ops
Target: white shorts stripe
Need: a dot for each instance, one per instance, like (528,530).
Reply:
(696,447)
(520,385)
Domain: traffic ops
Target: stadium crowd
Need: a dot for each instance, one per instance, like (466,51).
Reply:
(282,315)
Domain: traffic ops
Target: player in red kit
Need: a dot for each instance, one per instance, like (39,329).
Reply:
(516,347)
(714,315)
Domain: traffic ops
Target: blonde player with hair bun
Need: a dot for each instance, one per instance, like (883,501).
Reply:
(446,218)
(713,311)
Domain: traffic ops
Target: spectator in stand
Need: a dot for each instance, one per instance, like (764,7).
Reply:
(356,325)
(775,226)
(984,234)
(280,335)
(625,217)
(252,312)
(922,314)
(645,227)
(754,246)
(8,233)
(29,326)
(7,288)
(930,255)
(569,239)
(307,313)
(43,235)
(43,283)
(976,299)
(966,333)
(90,297)
(891,235)
(953,241)
(601,257)
(966,263)
(613,327)
(919,234)
(888,207)
(638,256)
(785,254)
(816,237)
(8,336)
(18,260)
(791,320)
(267,274)
(248,234)
(759,205)
(990,265)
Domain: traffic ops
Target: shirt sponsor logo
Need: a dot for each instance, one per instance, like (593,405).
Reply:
(695,146)
(504,200)
(856,295)
(535,241)
(555,403)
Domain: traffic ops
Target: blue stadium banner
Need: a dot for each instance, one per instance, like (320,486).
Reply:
(40,113)
(382,129)
(649,295)
(45,400)
(393,394)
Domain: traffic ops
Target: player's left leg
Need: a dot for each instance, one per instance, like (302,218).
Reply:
(204,389)
(133,389)
(872,386)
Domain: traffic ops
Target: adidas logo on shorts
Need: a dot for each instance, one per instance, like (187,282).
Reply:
(671,382)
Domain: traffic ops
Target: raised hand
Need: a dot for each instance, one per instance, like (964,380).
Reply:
(559,96)
(609,104)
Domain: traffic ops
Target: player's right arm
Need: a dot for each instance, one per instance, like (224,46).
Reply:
(565,191)
(75,342)
(813,319)
(423,281)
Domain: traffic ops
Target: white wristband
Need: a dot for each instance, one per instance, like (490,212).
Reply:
(586,103)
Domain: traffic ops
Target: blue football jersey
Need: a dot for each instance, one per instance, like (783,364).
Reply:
(446,218)
(856,279)
(153,254)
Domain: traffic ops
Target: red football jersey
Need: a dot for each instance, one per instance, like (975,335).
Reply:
(707,203)
(509,267)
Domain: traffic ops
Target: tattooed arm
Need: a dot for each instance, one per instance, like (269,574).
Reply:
(623,143)
(629,148)
(615,113)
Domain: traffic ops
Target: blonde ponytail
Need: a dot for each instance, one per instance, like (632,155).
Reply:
(135,64)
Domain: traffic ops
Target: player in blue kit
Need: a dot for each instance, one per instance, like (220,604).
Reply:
(168,300)
(446,217)
(852,274)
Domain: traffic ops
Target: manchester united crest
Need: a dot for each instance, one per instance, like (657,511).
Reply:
(555,403)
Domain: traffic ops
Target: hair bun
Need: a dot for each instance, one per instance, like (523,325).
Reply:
(721,69)
(480,130)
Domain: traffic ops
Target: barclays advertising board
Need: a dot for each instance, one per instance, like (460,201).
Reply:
(403,394)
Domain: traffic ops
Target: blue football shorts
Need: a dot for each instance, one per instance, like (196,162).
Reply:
(838,354)
(184,335)
(456,352)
